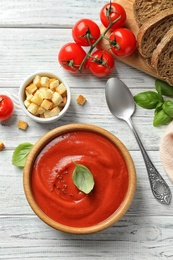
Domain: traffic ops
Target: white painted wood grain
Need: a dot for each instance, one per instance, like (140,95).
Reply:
(31,34)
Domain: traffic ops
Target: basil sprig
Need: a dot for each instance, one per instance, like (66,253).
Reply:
(83,178)
(163,110)
(20,154)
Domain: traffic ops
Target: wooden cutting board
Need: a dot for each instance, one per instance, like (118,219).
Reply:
(135,60)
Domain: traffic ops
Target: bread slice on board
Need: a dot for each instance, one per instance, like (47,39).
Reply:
(151,32)
(162,58)
(144,9)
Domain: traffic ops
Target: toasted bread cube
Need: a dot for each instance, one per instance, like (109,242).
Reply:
(45,82)
(46,104)
(2,146)
(26,103)
(32,88)
(37,81)
(56,98)
(54,84)
(33,108)
(61,89)
(55,111)
(27,93)
(65,99)
(42,115)
(50,113)
(40,110)
(62,104)
(45,93)
(37,99)
(81,100)
(28,97)
(22,125)
(52,80)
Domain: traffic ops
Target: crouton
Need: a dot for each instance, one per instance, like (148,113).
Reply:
(81,100)
(22,125)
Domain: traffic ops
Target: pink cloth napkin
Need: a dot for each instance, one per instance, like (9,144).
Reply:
(166,151)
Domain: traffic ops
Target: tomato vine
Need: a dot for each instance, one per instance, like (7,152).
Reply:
(86,32)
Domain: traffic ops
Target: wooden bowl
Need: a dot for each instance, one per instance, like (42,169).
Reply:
(50,136)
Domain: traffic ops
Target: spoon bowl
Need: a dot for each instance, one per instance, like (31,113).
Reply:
(121,104)
(119,99)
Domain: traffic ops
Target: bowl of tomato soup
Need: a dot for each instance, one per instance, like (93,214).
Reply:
(94,157)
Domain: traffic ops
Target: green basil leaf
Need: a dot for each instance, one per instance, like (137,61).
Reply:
(168,108)
(164,87)
(158,107)
(83,178)
(147,99)
(159,90)
(161,118)
(20,154)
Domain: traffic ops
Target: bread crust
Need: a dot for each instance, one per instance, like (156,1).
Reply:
(152,31)
(162,58)
(144,9)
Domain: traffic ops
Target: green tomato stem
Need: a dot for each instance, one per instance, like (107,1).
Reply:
(96,42)
(1,100)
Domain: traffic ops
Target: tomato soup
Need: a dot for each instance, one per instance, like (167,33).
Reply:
(53,187)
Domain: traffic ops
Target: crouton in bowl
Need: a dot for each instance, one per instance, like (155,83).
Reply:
(44,97)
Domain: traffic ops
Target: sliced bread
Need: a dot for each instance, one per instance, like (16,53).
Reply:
(144,9)
(151,32)
(162,58)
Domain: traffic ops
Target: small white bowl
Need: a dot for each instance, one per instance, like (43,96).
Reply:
(27,81)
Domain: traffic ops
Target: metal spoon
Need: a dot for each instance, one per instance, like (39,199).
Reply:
(121,103)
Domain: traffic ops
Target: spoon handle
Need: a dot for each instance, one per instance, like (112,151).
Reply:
(159,187)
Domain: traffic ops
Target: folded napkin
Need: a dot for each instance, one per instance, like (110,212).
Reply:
(166,151)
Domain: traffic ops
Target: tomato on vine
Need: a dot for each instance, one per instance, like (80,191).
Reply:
(6,107)
(71,56)
(100,63)
(85,32)
(112,12)
(122,42)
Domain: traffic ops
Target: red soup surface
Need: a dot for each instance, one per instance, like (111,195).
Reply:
(53,187)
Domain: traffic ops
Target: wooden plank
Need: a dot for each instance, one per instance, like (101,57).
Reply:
(46,14)
(133,237)
(32,32)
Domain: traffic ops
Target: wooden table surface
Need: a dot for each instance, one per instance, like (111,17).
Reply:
(31,34)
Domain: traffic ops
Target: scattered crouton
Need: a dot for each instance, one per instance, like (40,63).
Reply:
(22,125)
(2,146)
(81,100)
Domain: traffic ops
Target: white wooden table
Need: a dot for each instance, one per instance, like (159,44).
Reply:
(31,34)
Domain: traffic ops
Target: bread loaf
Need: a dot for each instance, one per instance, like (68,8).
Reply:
(144,9)
(162,58)
(152,31)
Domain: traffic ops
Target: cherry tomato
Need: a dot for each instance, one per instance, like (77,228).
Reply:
(6,107)
(123,42)
(112,11)
(101,63)
(85,32)
(71,56)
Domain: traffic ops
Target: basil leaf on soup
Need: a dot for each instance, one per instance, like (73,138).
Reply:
(147,99)
(83,178)
(20,154)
